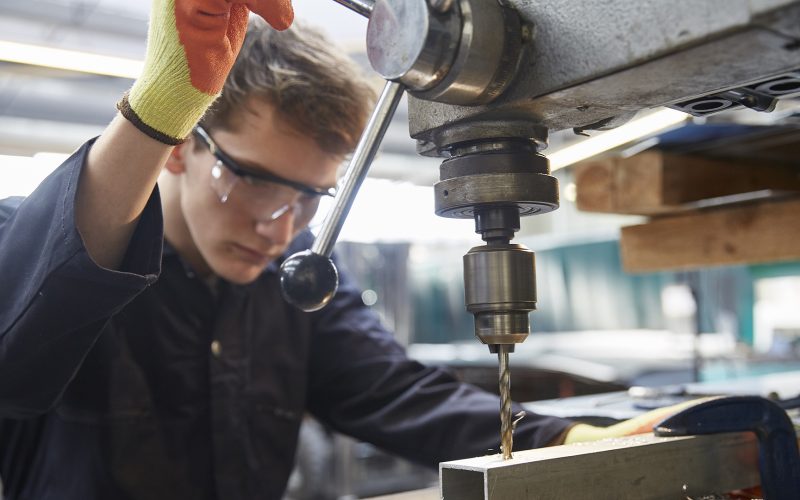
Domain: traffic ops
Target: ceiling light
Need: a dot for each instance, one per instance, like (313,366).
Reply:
(84,62)
(604,141)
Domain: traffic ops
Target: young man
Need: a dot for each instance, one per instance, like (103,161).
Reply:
(145,349)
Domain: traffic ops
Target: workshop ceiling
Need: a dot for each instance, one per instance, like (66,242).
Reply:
(55,110)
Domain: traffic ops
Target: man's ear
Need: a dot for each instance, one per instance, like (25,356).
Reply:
(175,162)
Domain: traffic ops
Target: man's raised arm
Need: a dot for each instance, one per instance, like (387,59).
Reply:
(191,47)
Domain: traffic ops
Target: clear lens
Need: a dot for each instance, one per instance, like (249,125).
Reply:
(222,180)
(267,199)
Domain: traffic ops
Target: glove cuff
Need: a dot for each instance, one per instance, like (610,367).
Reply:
(165,108)
(125,109)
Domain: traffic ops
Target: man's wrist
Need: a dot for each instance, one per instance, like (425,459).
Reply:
(125,109)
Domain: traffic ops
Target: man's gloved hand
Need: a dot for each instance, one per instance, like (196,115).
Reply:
(638,425)
(191,47)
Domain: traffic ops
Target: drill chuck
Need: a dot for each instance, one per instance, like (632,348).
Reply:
(500,290)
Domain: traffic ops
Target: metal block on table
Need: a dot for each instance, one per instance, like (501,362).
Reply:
(639,467)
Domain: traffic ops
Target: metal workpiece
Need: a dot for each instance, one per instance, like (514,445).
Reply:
(453,51)
(500,291)
(640,467)
(309,278)
(586,62)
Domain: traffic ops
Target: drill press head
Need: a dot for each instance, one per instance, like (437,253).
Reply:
(495,182)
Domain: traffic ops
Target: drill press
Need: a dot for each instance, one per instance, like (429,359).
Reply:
(488,78)
(494,182)
(465,53)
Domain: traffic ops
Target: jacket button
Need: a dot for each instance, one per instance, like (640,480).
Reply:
(216,348)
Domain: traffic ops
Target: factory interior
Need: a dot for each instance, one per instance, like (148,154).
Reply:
(647,153)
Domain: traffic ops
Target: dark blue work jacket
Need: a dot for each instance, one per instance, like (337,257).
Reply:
(110,388)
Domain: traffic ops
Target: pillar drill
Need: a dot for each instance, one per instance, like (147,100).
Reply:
(465,53)
(488,78)
(495,182)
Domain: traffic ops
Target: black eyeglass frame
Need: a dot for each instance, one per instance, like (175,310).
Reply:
(245,173)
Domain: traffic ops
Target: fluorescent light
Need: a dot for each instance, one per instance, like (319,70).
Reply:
(604,141)
(84,62)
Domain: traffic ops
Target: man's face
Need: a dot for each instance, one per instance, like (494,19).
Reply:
(238,237)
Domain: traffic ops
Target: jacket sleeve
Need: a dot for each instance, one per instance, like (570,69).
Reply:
(364,385)
(54,299)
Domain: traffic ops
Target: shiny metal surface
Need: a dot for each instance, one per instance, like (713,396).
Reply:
(500,290)
(410,43)
(502,327)
(441,5)
(363,7)
(357,169)
(506,428)
(487,55)
(460,52)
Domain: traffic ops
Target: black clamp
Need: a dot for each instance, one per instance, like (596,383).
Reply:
(778,456)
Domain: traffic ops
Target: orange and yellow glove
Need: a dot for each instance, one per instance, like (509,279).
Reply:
(638,425)
(191,48)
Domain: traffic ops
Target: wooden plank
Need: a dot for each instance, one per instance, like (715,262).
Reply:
(639,467)
(747,234)
(653,182)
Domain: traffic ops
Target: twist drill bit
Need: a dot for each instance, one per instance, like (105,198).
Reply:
(506,427)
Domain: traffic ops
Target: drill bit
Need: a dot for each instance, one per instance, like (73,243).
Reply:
(506,428)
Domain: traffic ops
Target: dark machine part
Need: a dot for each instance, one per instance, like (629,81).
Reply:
(586,64)
(500,291)
(762,96)
(496,182)
(779,461)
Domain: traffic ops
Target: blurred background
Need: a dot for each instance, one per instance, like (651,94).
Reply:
(597,327)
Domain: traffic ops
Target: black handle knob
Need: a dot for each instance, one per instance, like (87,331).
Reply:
(309,280)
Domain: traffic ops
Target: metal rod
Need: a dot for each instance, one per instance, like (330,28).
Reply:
(359,166)
(506,429)
(363,7)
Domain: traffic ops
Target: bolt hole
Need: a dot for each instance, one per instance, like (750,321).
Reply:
(792,45)
(708,105)
(446,192)
(784,87)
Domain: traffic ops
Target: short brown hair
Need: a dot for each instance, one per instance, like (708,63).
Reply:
(315,90)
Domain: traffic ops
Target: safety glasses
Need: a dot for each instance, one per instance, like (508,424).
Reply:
(270,195)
